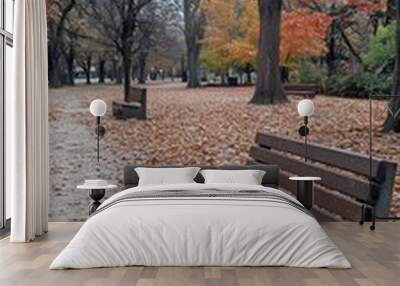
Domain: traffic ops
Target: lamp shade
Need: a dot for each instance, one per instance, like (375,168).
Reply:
(98,107)
(305,108)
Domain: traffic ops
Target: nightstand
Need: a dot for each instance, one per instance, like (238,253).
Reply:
(305,190)
(96,193)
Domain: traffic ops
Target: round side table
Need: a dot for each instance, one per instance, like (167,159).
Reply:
(305,190)
(96,193)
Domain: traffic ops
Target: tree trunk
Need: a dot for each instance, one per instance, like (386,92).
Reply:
(55,38)
(392,122)
(248,74)
(194,20)
(113,74)
(127,62)
(70,58)
(102,70)
(396,76)
(88,68)
(134,71)
(269,88)
(142,68)
(119,74)
(390,13)
(54,72)
(331,56)
(193,67)
(183,70)
(116,71)
(223,79)
(284,71)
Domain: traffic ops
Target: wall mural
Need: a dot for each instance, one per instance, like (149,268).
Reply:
(186,82)
(390,113)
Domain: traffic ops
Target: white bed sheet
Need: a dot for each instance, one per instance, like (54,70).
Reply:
(200,232)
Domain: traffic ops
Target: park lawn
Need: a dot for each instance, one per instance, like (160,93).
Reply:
(218,126)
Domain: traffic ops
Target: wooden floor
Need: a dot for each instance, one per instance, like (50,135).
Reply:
(375,257)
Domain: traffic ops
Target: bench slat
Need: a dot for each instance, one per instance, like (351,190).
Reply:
(345,184)
(323,215)
(350,161)
(128,104)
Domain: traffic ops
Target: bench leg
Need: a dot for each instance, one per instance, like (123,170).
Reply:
(372,227)
(362,220)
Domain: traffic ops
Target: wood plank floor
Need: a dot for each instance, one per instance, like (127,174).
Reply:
(375,257)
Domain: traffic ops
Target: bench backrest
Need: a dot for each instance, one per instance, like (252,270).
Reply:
(137,95)
(135,105)
(344,187)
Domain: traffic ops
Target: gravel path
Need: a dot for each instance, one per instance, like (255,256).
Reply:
(72,157)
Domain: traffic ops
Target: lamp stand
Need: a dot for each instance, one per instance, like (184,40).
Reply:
(305,138)
(100,131)
(304,131)
(374,217)
(98,138)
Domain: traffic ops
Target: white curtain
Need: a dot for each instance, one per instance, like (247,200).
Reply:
(27,124)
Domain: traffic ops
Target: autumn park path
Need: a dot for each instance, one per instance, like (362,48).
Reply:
(188,126)
(72,156)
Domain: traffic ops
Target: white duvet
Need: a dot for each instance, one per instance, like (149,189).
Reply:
(202,232)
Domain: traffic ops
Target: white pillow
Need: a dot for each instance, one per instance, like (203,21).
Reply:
(165,176)
(247,177)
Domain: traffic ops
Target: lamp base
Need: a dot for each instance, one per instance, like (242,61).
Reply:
(100,131)
(304,131)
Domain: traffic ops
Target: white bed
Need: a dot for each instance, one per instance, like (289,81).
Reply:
(200,231)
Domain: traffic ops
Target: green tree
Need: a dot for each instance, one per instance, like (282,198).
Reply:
(381,49)
(393,123)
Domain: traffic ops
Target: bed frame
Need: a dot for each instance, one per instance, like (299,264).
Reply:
(271,177)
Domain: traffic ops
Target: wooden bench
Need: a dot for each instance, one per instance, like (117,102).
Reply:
(134,107)
(305,90)
(344,188)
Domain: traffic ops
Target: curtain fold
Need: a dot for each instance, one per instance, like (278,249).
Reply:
(27,122)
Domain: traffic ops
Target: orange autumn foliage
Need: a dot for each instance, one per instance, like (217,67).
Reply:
(368,6)
(303,35)
(233,31)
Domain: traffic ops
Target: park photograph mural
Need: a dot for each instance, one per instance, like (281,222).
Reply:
(191,82)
